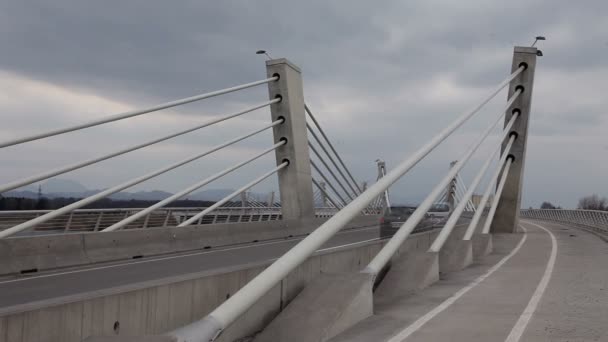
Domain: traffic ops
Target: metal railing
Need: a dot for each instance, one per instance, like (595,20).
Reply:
(92,220)
(594,219)
(81,220)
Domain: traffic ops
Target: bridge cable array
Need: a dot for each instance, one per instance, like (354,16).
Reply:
(343,197)
(85,201)
(391,247)
(235,193)
(331,146)
(462,189)
(214,323)
(351,189)
(326,194)
(131,114)
(33,179)
(198,185)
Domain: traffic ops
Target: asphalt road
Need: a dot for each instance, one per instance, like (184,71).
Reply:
(549,284)
(23,290)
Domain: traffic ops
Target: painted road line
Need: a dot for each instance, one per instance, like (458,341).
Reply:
(412,328)
(524,319)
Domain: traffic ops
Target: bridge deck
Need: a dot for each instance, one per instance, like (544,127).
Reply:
(52,287)
(512,302)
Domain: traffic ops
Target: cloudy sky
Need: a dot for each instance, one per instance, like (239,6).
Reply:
(381,77)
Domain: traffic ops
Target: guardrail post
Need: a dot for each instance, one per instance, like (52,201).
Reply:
(295,181)
(506,219)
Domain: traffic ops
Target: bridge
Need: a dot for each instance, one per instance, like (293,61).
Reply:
(321,261)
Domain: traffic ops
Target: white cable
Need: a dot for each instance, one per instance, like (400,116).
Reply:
(29,180)
(314,150)
(314,166)
(389,249)
(211,326)
(314,135)
(196,186)
(133,113)
(331,146)
(455,215)
(501,185)
(102,194)
(232,195)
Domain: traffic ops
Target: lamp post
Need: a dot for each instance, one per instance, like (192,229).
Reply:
(263,52)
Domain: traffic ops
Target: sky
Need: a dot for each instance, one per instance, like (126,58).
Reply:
(382,78)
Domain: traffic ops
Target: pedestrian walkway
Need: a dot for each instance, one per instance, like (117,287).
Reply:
(547,284)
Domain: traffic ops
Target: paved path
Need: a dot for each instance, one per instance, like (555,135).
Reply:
(545,285)
(24,290)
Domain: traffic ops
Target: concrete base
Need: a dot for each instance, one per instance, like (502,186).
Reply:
(331,304)
(482,245)
(455,255)
(411,272)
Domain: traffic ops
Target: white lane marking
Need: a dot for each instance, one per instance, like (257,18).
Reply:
(525,317)
(412,328)
(175,257)
(348,244)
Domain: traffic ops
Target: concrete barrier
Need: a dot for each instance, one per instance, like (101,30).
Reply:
(47,252)
(24,255)
(329,305)
(157,306)
(456,253)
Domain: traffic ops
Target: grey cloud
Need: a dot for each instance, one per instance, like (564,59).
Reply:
(364,68)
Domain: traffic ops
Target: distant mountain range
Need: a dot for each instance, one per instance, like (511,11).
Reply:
(55,188)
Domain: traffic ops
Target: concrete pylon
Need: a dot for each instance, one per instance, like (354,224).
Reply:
(323,194)
(506,218)
(451,190)
(386,203)
(244,199)
(295,181)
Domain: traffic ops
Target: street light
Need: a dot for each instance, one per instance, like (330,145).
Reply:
(537,39)
(263,52)
(538,53)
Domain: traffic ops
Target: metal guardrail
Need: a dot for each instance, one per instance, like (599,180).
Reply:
(595,219)
(91,220)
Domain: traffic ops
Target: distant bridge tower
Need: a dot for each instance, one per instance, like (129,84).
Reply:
(385,200)
(323,194)
(451,190)
(271,199)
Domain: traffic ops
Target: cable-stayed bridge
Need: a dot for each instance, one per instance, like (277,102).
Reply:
(314,262)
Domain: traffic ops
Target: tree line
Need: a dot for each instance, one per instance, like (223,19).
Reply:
(43,203)
(591,202)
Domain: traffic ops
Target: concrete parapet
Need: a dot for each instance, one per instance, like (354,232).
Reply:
(482,246)
(157,306)
(411,271)
(455,255)
(327,306)
(19,255)
(48,252)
